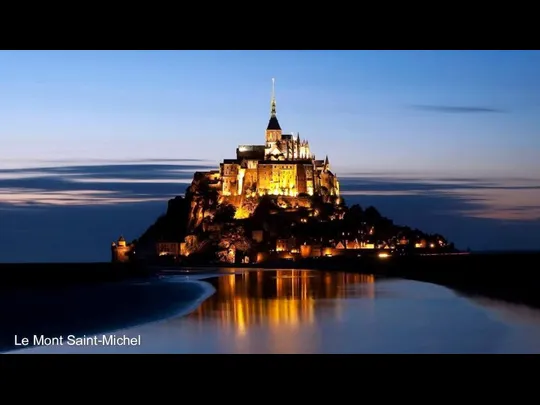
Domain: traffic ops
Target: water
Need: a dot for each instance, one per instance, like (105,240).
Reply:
(300,311)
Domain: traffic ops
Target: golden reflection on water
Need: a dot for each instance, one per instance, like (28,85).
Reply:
(278,299)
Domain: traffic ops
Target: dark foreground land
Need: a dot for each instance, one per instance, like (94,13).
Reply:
(14,275)
(87,298)
(91,309)
(512,277)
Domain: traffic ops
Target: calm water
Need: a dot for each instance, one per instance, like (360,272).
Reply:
(297,311)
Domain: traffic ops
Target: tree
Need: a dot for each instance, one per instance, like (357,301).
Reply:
(326,210)
(354,215)
(372,215)
(266,204)
(316,201)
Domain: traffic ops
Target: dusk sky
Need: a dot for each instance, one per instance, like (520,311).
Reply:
(471,112)
(95,142)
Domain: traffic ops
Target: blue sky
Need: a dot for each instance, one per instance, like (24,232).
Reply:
(446,141)
(472,112)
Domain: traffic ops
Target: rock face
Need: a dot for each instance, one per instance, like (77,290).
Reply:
(227,255)
(233,242)
(202,199)
(204,226)
(191,245)
(169,227)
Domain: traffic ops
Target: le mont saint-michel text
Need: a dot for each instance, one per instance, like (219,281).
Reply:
(72,340)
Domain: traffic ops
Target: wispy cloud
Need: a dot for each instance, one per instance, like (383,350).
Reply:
(506,199)
(93,184)
(38,197)
(119,180)
(16,164)
(500,202)
(381,192)
(514,199)
(98,201)
(458,109)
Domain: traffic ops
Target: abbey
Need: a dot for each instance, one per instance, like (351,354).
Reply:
(271,202)
(284,165)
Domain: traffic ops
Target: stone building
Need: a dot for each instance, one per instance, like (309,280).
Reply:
(120,250)
(284,165)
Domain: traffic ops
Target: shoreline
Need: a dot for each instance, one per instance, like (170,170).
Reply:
(94,309)
(505,276)
(508,277)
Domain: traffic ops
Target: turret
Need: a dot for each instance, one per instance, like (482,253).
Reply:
(120,250)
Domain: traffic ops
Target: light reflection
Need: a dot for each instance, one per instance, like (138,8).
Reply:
(277,299)
(511,313)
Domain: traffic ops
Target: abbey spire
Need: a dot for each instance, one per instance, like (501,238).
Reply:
(273,100)
(284,165)
(273,124)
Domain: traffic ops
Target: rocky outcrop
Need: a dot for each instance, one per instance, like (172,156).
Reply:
(170,227)
(227,254)
(232,243)
(203,201)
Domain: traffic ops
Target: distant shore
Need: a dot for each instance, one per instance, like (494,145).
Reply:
(508,276)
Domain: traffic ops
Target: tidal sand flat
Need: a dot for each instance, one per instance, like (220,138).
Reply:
(94,309)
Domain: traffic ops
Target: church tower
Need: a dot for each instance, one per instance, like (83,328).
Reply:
(273,130)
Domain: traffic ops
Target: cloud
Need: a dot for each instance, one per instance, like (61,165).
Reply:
(93,184)
(501,202)
(457,109)
(502,199)
(38,197)
(7,164)
(83,206)
(381,192)
(116,180)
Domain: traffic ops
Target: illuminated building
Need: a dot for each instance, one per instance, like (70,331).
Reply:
(120,250)
(284,165)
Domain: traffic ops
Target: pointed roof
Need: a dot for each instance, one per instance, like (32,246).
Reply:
(273,124)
